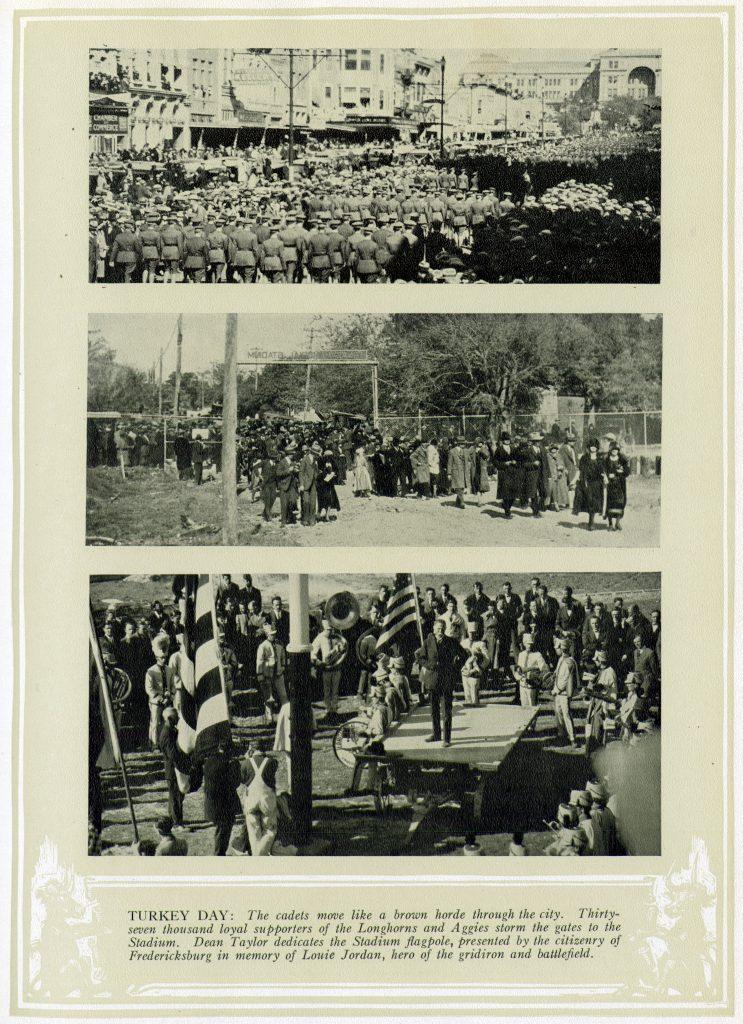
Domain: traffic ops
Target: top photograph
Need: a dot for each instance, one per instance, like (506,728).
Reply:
(386,166)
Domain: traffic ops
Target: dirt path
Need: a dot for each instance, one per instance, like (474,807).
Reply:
(148,508)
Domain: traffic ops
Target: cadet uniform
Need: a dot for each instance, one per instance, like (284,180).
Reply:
(195,254)
(126,253)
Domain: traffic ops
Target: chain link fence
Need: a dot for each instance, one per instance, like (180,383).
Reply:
(639,433)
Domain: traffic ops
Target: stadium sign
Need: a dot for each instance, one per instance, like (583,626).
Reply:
(257,356)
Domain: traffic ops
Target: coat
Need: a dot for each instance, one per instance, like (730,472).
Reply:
(458,469)
(590,487)
(442,663)
(419,459)
(308,474)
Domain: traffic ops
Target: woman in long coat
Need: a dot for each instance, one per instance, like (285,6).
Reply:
(481,480)
(589,494)
(419,461)
(362,481)
(327,474)
(616,469)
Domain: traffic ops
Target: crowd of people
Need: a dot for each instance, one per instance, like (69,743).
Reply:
(577,210)
(300,466)
(528,650)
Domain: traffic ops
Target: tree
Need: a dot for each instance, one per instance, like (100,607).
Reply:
(621,111)
(116,387)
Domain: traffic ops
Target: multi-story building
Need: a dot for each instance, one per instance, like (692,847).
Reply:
(152,84)
(635,73)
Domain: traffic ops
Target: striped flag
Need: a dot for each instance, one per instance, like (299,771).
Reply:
(204,721)
(102,731)
(402,612)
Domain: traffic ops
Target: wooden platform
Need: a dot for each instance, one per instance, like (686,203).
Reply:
(481,736)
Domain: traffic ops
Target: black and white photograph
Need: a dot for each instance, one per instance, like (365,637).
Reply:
(365,166)
(356,715)
(360,430)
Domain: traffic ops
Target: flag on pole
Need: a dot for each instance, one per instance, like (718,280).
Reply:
(401,617)
(204,721)
(103,734)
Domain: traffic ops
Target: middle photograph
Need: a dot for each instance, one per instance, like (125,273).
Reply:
(357,430)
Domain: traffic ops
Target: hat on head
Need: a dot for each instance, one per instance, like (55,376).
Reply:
(596,790)
(161,645)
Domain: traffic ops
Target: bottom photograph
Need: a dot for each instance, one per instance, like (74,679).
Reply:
(358,715)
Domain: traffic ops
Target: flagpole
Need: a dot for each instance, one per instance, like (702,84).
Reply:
(215,631)
(417,609)
(113,732)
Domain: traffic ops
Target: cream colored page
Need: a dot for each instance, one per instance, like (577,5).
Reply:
(693,558)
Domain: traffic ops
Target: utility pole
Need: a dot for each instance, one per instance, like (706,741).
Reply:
(508,87)
(441,115)
(160,387)
(290,153)
(541,79)
(299,679)
(309,373)
(229,433)
(178,353)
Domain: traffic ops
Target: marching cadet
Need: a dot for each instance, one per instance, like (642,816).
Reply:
(151,248)
(126,253)
(318,254)
(244,250)
(380,235)
(272,262)
(338,250)
(219,252)
(195,254)
(171,249)
(289,235)
(364,257)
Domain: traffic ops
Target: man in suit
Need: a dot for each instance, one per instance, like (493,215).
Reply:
(440,659)
(477,604)
(250,593)
(646,668)
(279,619)
(536,473)
(506,462)
(531,593)
(221,805)
(570,618)
(174,760)
(458,471)
(286,482)
(197,459)
(548,610)
(308,486)
(226,589)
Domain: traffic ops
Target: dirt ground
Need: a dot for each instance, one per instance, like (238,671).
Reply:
(151,508)
(541,773)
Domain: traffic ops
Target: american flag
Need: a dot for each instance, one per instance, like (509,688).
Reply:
(204,721)
(402,611)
